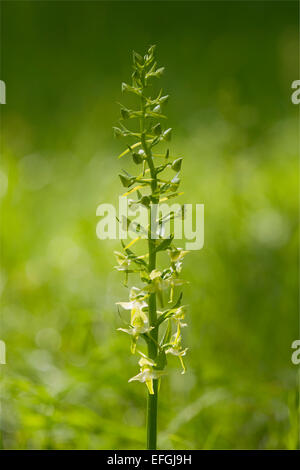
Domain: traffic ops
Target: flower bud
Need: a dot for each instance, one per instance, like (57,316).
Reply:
(145,201)
(164,99)
(125,180)
(117,132)
(158,73)
(125,113)
(176,165)
(157,109)
(137,158)
(157,129)
(167,134)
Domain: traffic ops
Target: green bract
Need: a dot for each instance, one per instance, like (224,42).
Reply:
(160,330)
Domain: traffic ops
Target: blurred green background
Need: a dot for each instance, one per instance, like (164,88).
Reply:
(229,68)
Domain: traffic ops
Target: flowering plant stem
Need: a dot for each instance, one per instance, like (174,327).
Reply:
(150,190)
(152,345)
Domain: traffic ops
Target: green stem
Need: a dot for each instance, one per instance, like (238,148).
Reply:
(152,417)
(152,345)
(152,353)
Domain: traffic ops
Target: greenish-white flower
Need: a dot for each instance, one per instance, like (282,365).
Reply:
(147,372)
